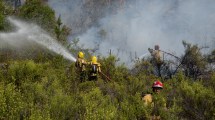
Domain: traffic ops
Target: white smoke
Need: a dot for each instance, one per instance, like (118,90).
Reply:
(32,33)
(144,23)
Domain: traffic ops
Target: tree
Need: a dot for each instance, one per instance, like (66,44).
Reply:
(193,60)
(40,13)
(211,57)
(2,18)
(61,31)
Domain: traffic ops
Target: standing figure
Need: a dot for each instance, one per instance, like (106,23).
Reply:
(157,58)
(80,64)
(95,69)
(155,100)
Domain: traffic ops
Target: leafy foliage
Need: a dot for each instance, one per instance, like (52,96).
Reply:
(193,60)
(211,57)
(196,101)
(49,90)
(43,15)
(61,31)
(2,17)
(49,87)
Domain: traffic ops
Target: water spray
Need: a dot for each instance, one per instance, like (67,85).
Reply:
(142,56)
(34,33)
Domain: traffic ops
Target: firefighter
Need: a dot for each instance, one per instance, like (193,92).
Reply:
(155,101)
(157,58)
(157,86)
(80,64)
(94,69)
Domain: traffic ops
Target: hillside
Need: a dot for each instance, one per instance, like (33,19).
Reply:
(38,83)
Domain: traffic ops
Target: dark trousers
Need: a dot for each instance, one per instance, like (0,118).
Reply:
(93,78)
(82,76)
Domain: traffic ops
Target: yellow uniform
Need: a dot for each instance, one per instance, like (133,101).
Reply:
(80,64)
(155,101)
(95,68)
(147,99)
(157,56)
(157,104)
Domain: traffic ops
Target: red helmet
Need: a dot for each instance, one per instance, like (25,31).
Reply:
(157,84)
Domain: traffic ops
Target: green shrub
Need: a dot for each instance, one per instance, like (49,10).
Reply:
(98,106)
(197,101)
(22,71)
(11,102)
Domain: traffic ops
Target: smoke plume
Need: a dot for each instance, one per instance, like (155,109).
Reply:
(141,24)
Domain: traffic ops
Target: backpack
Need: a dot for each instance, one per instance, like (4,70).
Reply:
(94,68)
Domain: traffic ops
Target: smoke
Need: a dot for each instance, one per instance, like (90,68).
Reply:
(141,24)
(71,12)
(26,33)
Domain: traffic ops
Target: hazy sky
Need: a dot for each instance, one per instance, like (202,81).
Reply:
(146,23)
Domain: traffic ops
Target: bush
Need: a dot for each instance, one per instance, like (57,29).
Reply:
(11,102)
(20,72)
(197,101)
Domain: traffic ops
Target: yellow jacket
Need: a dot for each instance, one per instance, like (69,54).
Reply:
(81,64)
(98,68)
(147,99)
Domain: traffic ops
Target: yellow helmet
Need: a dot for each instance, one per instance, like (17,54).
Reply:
(94,59)
(81,55)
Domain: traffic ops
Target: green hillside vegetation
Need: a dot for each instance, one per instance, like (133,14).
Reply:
(45,86)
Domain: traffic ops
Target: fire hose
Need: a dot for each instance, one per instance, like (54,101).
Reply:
(105,76)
